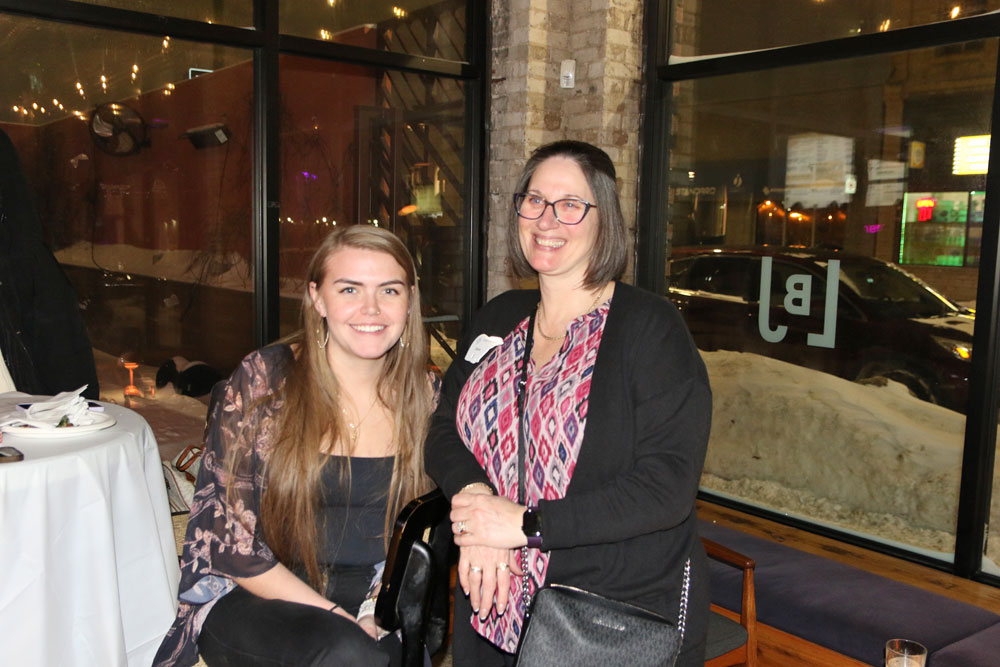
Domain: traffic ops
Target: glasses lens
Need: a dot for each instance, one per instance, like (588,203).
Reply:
(529,206)
(570,211)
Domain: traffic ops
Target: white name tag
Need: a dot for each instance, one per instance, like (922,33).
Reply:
(481,346)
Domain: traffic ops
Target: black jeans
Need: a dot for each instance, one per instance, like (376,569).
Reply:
(243,630)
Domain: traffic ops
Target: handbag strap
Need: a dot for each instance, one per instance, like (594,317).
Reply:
(522,391)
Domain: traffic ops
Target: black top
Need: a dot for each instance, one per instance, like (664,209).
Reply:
(353,520)
(627,523)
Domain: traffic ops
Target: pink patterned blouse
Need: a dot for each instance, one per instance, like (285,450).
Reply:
(556,409)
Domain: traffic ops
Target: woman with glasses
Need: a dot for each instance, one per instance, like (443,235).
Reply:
(615,406)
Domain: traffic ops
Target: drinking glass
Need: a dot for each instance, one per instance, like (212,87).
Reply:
(905,653)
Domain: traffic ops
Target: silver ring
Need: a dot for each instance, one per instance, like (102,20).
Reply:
(461,527)
(475,570)
(502,567)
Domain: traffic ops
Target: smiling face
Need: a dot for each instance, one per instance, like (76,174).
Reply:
(552,248)
(364,297)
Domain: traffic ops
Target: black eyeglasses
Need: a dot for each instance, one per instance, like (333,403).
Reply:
(567,211)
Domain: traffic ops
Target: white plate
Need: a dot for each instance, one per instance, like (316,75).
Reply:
(104,420)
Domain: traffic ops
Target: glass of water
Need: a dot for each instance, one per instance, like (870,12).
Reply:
(905,653)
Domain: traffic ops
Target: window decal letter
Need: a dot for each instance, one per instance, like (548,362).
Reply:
(829,336)
(799,296)
(764,307)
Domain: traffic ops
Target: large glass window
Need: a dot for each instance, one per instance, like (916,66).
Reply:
(369,146)
(824,251)
(138,152)
(763,24)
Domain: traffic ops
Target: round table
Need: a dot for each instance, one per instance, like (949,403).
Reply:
(88,562)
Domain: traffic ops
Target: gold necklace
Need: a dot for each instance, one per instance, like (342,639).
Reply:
(355,430)
(541,311)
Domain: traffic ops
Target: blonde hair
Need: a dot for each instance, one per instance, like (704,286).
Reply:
(311,415)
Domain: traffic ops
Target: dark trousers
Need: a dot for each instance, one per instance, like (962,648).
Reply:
(243,630)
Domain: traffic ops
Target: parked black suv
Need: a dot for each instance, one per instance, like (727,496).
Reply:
(881,321)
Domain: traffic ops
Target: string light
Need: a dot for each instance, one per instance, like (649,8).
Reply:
(399,12)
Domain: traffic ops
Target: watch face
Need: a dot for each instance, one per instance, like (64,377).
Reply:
(531,524)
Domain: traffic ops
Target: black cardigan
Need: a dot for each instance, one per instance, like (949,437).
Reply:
(627,523)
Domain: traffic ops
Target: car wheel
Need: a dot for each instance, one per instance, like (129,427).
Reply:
(919,386)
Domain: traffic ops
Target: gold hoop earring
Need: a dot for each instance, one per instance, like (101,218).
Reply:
(321,343)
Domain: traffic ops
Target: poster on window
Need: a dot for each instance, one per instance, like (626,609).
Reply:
(817,170)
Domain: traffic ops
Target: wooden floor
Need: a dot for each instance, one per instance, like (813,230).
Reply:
(779,649)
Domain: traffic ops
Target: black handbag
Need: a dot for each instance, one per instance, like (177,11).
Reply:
(570,626)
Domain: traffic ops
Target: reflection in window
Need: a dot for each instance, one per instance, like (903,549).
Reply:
(844,400)
(385,148)
(717,27)
(414,27)
(230,12)
(140,167)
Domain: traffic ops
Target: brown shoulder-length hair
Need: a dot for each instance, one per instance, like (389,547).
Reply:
(311,419)
(609,256)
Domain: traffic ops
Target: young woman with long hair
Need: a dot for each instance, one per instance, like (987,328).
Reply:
(312,447)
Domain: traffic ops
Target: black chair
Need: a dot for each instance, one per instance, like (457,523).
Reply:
(414,597)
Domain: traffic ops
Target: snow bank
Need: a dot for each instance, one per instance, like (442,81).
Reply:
(871,459)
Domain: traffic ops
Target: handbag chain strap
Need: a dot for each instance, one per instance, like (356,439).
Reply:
(685,591)
(522,391)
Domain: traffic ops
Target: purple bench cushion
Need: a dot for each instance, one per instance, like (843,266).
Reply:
(982,648)
(838,606)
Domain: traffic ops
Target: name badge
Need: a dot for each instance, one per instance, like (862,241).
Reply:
(481,346)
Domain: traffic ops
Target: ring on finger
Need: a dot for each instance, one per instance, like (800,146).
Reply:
(461,527)
(502,567)
(475,570)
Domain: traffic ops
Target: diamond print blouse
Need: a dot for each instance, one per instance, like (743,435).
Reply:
(556,410)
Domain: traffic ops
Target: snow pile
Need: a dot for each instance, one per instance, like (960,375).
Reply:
(870,459)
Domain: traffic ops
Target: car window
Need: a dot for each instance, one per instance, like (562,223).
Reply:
(894,292)
(727,276)
(679,269)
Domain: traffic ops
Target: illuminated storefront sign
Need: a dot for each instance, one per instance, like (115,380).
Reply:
(941,228)
(972,155)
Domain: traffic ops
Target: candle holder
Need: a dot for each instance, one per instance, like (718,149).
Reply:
(131,389)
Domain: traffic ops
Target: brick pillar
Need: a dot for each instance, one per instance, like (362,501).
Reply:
(531,38)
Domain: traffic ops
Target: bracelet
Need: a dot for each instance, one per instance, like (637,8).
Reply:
(482,484)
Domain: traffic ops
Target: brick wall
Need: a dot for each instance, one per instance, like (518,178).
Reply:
(530,39)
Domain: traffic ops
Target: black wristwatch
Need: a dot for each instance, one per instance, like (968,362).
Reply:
(531,526)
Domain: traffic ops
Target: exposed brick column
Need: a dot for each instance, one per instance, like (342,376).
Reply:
(531,38)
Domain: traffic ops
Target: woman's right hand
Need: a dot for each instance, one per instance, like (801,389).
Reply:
(484,572)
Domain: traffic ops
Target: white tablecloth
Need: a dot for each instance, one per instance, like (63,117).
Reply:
(88,566)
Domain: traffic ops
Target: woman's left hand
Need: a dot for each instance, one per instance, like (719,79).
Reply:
(478,519)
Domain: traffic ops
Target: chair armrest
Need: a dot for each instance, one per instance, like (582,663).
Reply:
(726,555)
(748,603)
